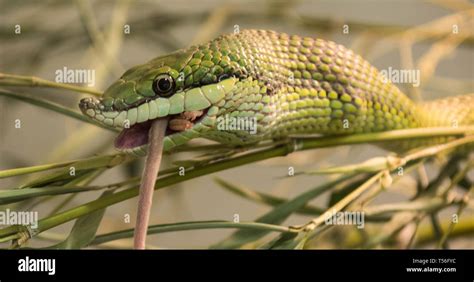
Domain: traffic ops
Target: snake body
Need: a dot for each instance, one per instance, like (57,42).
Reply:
(288,85)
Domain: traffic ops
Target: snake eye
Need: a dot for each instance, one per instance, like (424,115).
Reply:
(163,85)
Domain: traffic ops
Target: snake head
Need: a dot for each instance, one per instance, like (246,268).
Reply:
(182,87)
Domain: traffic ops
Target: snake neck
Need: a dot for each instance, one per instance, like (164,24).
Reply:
(316,87)
(304,86)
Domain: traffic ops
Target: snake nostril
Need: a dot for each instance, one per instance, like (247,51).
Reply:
(83,103)
(88,103)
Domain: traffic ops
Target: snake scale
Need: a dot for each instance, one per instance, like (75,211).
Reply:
(289,85)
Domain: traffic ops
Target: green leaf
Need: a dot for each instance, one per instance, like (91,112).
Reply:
(84,230)
(277,215)
(263,198)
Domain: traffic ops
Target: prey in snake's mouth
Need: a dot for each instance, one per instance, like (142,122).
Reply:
(137,134)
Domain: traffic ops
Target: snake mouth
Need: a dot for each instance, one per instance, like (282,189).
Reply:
(189,113)
(137,134)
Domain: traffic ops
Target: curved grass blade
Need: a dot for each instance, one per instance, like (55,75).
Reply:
(191,225)
(81,164)
(277,215)
(83,231)
(264,198)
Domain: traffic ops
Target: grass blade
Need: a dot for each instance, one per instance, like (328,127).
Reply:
(53,107)
(192,225)
(83,231)
(277,215)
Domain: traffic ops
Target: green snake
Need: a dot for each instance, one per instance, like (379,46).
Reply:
(276,84)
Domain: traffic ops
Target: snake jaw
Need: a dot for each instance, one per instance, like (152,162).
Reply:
(189,113)
(137,135)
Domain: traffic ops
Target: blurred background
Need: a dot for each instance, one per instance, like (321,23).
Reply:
(94,35)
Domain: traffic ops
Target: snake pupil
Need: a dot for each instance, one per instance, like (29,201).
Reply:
(163,85)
